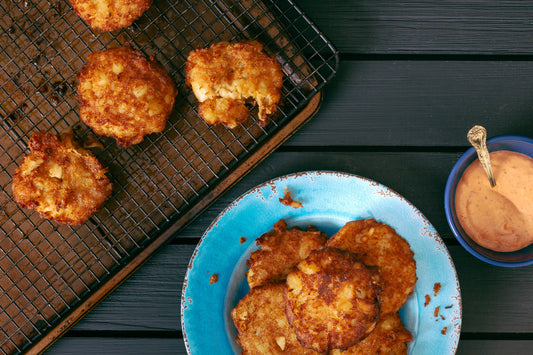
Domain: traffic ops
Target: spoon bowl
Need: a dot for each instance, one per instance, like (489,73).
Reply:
(518,258)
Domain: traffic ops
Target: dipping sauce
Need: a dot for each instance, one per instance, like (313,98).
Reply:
(499,218)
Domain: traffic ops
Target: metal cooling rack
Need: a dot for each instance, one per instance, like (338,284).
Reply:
(51,275)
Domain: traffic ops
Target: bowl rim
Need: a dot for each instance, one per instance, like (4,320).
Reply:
(447,202)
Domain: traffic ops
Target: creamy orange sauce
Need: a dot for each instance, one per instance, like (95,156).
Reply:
(499,218)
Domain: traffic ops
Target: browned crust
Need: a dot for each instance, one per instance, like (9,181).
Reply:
(377,244)
(390,337)
(262,325)
(63,183)
(109,15)
(280,251)
(331,300)
(224,111)
(124,95)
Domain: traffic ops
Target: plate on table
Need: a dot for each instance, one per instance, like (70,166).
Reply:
(215,279)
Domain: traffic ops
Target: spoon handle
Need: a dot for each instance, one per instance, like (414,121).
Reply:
(477,136)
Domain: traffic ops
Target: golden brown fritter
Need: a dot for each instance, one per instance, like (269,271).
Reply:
(123,95)
(225,75)
(109,15)
(61,181)
(377,244)
(280,251)
(331,300)
(223,110)
(262,324)
(389,338)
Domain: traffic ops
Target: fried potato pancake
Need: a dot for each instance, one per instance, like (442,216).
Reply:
(331,300)
(377,244)
(390,337)
(280,251)
(124,95)
(61,181)
(109,15)
(224,76)
(223,110)
(262,324)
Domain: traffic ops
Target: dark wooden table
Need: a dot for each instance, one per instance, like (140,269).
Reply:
(414,77)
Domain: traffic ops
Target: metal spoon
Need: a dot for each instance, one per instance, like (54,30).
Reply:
(477,136)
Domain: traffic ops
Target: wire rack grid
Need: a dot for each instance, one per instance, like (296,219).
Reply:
(47,270)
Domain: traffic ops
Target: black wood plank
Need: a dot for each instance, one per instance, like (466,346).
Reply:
(425,26)
(147,301)
(495,347)
(419,177)
(147,346)
(110,346)
(495,300)
(421,103)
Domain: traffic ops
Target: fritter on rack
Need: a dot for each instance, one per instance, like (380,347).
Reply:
(280,251)
(377,244)
(224,76)
(331,300)
(109,15)
(262,325)
(124,95)
(61,181)
(390,337)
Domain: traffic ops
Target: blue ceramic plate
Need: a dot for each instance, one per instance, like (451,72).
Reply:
(330,199)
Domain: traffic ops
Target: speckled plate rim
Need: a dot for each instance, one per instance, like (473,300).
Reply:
(329,200)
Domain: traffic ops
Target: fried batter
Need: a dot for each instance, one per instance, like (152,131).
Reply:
(225,75)
(61,181)
(331,300)
(377,244)
(288,201)
(281,250)
(390,337)
(123,95)
(223,110)
(262,324)
(109,15)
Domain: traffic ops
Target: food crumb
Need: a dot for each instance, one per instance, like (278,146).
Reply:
(242,240)
(428,299)
(436,312)
(288,201)
(436,288)
(444,330)
(448,307)
(213,279)
(442,317)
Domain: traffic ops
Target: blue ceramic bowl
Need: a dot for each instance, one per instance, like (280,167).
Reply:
(518,258)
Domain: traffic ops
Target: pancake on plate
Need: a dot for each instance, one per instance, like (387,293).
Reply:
(280,250)
(109,15)
(224,76)
(60,180)
(390,337)
(377,244)
(331,300)
(262,325)
(124,95)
